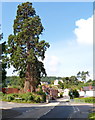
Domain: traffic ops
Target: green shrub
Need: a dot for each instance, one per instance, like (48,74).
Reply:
(43,95)
(39,92)
(73,94)
(86,100)
(9,97)
(91,116)
(1,95)
(30,98)
(61,94)
(24,98)
(37,99)
(27,96)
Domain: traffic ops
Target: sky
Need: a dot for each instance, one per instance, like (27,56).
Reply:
(69,31)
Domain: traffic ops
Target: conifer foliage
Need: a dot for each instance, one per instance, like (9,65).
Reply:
(3,64)
(25,49)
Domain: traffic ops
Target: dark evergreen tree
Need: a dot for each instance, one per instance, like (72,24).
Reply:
(25,49)
(3,64)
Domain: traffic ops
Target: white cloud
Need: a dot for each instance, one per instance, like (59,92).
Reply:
(84,31)
(52,64)
(10,71)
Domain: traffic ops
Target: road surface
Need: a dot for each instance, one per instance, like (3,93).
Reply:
(55,109)
(68,111)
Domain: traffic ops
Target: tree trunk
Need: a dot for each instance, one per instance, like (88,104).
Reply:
(26,86)
(33,88)
(29,86)
(28,79)
(29,83)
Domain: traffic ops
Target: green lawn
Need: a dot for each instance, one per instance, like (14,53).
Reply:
(85,100)
(92,116)
(1,95)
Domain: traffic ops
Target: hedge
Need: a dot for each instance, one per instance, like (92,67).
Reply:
(91,116)
(85,100)
(24,98)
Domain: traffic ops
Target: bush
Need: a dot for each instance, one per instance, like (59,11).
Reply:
(26,97)
(90,100)
(9,97)
(86,100)
(40,92)
(73,94)
(1,95)
(43,95)
(61,94)
(37,99)
(91,116)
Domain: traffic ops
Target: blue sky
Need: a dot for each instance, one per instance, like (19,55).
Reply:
(67,25)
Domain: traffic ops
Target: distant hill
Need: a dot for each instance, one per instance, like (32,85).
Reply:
(50,78)
(15,80)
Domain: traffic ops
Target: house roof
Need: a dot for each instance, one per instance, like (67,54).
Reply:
(86,88)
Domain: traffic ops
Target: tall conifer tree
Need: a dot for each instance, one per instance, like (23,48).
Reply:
(25,48)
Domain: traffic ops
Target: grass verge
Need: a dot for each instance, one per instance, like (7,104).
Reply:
(91,116)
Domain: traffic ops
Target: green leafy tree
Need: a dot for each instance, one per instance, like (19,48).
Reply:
(83,75)
(15,81)
(61,85)
(74,80)
(24,47)
(73,93)
(93,83)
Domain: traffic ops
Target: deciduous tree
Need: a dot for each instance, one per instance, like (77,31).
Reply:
(83,75)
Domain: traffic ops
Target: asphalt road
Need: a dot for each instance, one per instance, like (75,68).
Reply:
(68,111)
(25,110)
(55,109)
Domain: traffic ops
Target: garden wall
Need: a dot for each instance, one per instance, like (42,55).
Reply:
(10,90)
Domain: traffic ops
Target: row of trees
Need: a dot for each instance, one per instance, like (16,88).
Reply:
(83,75)
(24,50)
(76,81)
(16,81)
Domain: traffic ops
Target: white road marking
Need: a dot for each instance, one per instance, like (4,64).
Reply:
(76,109)
(47,112)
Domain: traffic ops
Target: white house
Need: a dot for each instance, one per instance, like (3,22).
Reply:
(66,92)
(81,93)
(56,82)
(44,83)
(88,91)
